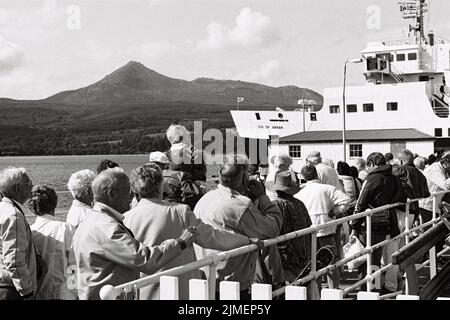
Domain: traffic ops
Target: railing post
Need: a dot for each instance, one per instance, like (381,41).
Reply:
(261,291)
(432,251)
(168,288)
(369,255)
(229,290)
(136,293)
(314,287)
(198,289)
(407,237)
(212,281)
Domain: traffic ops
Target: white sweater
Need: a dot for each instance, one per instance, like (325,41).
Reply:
(320,200)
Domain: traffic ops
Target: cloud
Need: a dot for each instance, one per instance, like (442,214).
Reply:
(11,55)
(266,73)
(252,29)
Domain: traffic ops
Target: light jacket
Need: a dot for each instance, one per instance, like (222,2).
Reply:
(327,175)
(77,212)
(154,220)
(53,241)
(106,252)
(352,187)
(227,209)
(321,200)
(437,180)
(17,252)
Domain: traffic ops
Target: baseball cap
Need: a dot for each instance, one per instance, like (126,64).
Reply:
(158,156)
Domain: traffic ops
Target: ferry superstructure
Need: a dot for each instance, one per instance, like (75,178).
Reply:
(405,88)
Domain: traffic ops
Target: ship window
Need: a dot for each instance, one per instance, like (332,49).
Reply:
(438,132)
(368,107)
(352,108)
(412,56)
(401,57)
(258,116)
(392,106)
(356,150)
(424,78)
(295,151)
(335,109)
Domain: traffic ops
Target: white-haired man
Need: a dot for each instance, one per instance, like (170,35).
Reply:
(106,252)
(183,155)
(154,220)
(79,186)
(18,267)
(327,174)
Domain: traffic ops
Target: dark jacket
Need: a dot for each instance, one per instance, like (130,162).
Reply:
(296,253)
(415,185)
(380,188)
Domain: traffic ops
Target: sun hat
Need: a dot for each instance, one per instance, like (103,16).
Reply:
(283,182)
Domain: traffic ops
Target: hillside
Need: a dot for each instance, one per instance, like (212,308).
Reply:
(133,101)
(136,84)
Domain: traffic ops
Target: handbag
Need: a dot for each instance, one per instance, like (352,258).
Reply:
(353,247)
(381,220)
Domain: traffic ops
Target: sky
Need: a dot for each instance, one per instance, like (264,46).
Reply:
(47,46)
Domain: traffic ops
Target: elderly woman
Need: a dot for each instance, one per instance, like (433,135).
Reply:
(153,220)
(279,163)
(79,186)
(53,242)
(361,165)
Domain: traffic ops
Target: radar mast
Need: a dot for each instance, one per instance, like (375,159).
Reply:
(415,9)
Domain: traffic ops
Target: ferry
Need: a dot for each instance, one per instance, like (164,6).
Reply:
(404,100)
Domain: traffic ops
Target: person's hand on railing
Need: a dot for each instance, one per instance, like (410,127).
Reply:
(188,236)
(258,242)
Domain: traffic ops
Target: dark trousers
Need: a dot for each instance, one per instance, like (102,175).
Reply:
(376,254)
(9,293)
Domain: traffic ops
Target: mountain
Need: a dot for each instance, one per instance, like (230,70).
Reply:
(136,84)
(129,110)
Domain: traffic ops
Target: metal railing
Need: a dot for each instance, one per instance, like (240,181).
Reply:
(211,261)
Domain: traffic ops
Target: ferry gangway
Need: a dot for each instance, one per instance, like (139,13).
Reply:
(206,289)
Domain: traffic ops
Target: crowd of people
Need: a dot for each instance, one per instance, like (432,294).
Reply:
(162,215)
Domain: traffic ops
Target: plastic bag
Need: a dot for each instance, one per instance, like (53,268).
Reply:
(353,247)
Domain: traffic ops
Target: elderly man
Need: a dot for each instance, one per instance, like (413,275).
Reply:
(106,252)
(18,267)
(229,207)
(79,186)
(183,155)
(326,174)
(154,220)
(323,203)
(437,175)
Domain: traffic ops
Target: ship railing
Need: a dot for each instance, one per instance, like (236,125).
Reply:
(200,289)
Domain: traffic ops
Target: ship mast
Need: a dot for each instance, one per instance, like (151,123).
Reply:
(415,9)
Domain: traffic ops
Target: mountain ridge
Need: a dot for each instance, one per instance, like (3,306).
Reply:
(134,83)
